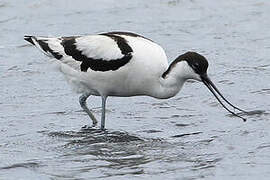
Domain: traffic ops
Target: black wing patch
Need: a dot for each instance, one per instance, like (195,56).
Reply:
(70,48)
(121,42)
(131,34)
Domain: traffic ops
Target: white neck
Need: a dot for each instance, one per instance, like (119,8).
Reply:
(174,80)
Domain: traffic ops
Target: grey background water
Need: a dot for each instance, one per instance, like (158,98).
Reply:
(187,137)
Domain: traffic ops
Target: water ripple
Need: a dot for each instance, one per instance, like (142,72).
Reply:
(30,165)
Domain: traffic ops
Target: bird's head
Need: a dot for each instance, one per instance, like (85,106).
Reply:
(194,66)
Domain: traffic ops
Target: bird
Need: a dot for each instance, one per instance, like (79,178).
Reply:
(124,64)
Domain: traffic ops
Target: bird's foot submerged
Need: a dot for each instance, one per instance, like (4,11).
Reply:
(93,126)
(92,129)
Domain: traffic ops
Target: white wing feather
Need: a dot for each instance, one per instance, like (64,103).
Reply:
(98,47)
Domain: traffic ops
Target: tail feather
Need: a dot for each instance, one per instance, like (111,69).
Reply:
(52,47)
(49,46)
(29,39)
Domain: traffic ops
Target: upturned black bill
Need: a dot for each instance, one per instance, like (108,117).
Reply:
(211,86)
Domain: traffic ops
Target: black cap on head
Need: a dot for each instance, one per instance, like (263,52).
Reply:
(196,61)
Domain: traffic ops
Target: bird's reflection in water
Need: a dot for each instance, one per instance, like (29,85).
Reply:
(120,153)
(103,149)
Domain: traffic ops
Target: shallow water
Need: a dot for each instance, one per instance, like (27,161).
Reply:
(187,137)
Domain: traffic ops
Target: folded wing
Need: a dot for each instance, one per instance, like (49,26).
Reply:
(102,52)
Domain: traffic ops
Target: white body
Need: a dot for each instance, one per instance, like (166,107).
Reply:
(142,75)
(138,77)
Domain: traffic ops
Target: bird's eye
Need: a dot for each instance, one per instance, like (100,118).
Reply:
(195,65)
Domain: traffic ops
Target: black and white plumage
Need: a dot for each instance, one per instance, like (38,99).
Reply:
(122,64)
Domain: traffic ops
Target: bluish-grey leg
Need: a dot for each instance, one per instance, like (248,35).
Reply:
(82,100)
(103,112)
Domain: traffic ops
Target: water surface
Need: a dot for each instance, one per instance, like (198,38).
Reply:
(187,137)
